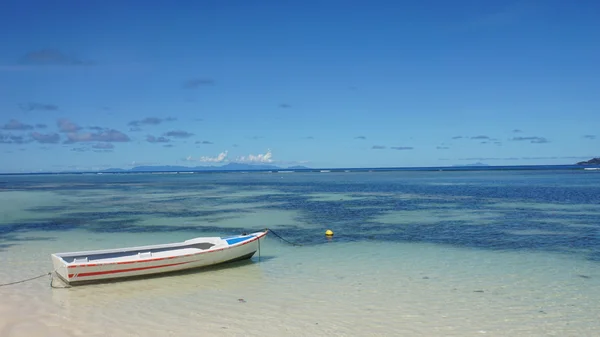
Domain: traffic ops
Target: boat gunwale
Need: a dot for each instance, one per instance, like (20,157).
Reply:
(126,249)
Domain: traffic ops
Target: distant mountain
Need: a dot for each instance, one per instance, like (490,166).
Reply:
(474,164)
(113,170)
(226,167)
(593,161)
(165,168)
(298,168)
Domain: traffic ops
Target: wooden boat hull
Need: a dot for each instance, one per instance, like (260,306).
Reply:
(104,265)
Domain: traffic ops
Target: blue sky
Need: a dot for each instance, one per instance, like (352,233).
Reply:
(97,84)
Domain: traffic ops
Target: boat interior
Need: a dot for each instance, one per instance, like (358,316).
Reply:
(134,253)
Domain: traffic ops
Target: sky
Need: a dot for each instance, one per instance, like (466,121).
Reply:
(88,85)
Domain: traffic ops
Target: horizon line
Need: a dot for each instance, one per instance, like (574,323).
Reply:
(465,167)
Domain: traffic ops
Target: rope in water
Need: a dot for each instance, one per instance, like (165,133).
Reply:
(55,287)
(26,280)
(279,236)
(258,250)
(35,278)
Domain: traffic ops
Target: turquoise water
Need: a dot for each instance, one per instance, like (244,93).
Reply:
(500,253)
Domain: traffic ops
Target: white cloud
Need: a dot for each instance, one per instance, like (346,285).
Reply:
(259,158)
(205,159)
(223,157)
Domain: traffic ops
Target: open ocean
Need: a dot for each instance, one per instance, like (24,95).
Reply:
(415,253)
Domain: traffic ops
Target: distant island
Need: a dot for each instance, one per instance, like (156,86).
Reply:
(471,165)
(592,164)
(227,167)
(593,161)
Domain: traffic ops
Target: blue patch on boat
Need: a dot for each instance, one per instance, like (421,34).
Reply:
(238,239)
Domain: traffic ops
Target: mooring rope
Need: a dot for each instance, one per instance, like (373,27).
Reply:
(279,236)
(55,287)
(35,278)
(26,280)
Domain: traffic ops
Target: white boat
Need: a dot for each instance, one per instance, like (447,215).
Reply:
(102,265)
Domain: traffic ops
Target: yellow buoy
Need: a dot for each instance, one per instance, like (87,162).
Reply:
(329,232)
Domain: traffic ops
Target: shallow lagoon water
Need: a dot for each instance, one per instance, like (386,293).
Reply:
(415,253)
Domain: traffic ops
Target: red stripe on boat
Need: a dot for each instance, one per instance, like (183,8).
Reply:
(124,270)
(170,257)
